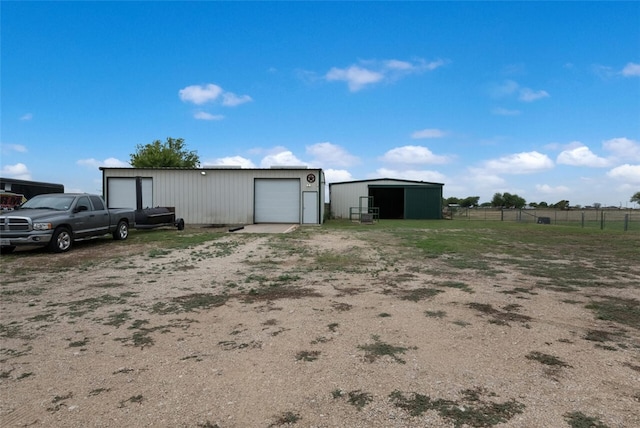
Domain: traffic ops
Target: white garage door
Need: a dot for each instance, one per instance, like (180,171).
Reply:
(277,200)
(121,192)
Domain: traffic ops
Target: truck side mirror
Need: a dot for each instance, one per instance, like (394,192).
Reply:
(80,208)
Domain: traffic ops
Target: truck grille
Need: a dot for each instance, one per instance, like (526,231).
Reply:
(15,224)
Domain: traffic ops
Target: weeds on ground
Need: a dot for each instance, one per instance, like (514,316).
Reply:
(546,359)
(307,355)
(470,411)
(379,349)
(617,309)
(419,294)
(359,398)
(580,420)
(286,418)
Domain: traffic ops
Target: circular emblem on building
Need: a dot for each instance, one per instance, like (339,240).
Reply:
(311,178)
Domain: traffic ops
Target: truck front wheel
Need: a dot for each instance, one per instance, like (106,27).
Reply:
(122,231)
(61,240)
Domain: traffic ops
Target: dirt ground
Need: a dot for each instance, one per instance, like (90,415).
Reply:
(320,328)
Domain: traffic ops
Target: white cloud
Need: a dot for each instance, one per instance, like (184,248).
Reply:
(9,148)
(200,94)
(519,163)
(551,190)
(499,111)
(337,175)
(528,95)
(428,133)
(281,158)
(357,76)
(626,172)
(231,100)
(331,154)
(510,88)
(18,171)
(623,148)
(203,115)
(109,163)
(27,116)
(415,175)
(581,156)
(231,161)
(631,69)
(413,155)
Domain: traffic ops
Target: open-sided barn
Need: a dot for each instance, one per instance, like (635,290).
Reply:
(386,198)
(221,196)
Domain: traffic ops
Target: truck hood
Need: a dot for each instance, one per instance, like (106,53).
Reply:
(34,215)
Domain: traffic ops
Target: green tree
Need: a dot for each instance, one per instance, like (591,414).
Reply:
(562,205)
(171,153)
(507,200)
(636,198)
(470,201)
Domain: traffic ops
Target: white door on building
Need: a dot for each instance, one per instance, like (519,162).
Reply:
(277,200)
(310,207)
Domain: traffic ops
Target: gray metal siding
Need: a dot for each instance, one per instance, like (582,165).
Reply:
(219,196)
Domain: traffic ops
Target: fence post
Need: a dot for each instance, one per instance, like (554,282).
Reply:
(601,220)
(626,222)
(583,219)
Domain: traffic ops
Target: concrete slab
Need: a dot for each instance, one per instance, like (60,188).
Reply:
(267,228)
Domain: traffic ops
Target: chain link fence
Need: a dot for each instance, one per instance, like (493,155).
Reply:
(610,219)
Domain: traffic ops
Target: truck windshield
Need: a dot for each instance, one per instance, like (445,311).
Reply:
(48,202)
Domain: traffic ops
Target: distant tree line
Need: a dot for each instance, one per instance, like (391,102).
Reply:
(508,200)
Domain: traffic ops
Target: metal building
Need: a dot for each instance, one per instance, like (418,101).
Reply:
(221,196)
(386,198)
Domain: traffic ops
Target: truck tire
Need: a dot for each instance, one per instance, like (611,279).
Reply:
(7,249)
(122,231)
(61,240)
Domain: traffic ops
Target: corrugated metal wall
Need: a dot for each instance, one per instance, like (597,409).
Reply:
(346,195)
(212,195)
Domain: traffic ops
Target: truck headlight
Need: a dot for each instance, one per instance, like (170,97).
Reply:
(41,226)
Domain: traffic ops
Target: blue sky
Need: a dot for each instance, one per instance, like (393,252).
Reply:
(540,99)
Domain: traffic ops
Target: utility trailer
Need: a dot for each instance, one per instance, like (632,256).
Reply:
(151,218)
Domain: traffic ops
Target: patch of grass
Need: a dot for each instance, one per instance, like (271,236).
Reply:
(499,317)
(342,307)
(470,411)
(457,285)
(333,326)
(45,317)
(617,309)
(359,398)
(580,420)
(25,375)
(287,418)
(384,315)
(189,303)
(79,308)
(379,349)
(307,355)
(79,343)
(98,391)
(337,393)
(158,252)
(435,314)
(546,359)
(118,319)
(419,294)
(276,293)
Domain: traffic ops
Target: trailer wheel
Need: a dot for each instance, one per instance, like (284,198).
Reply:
(61,240)
(122,231)
(180,224)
